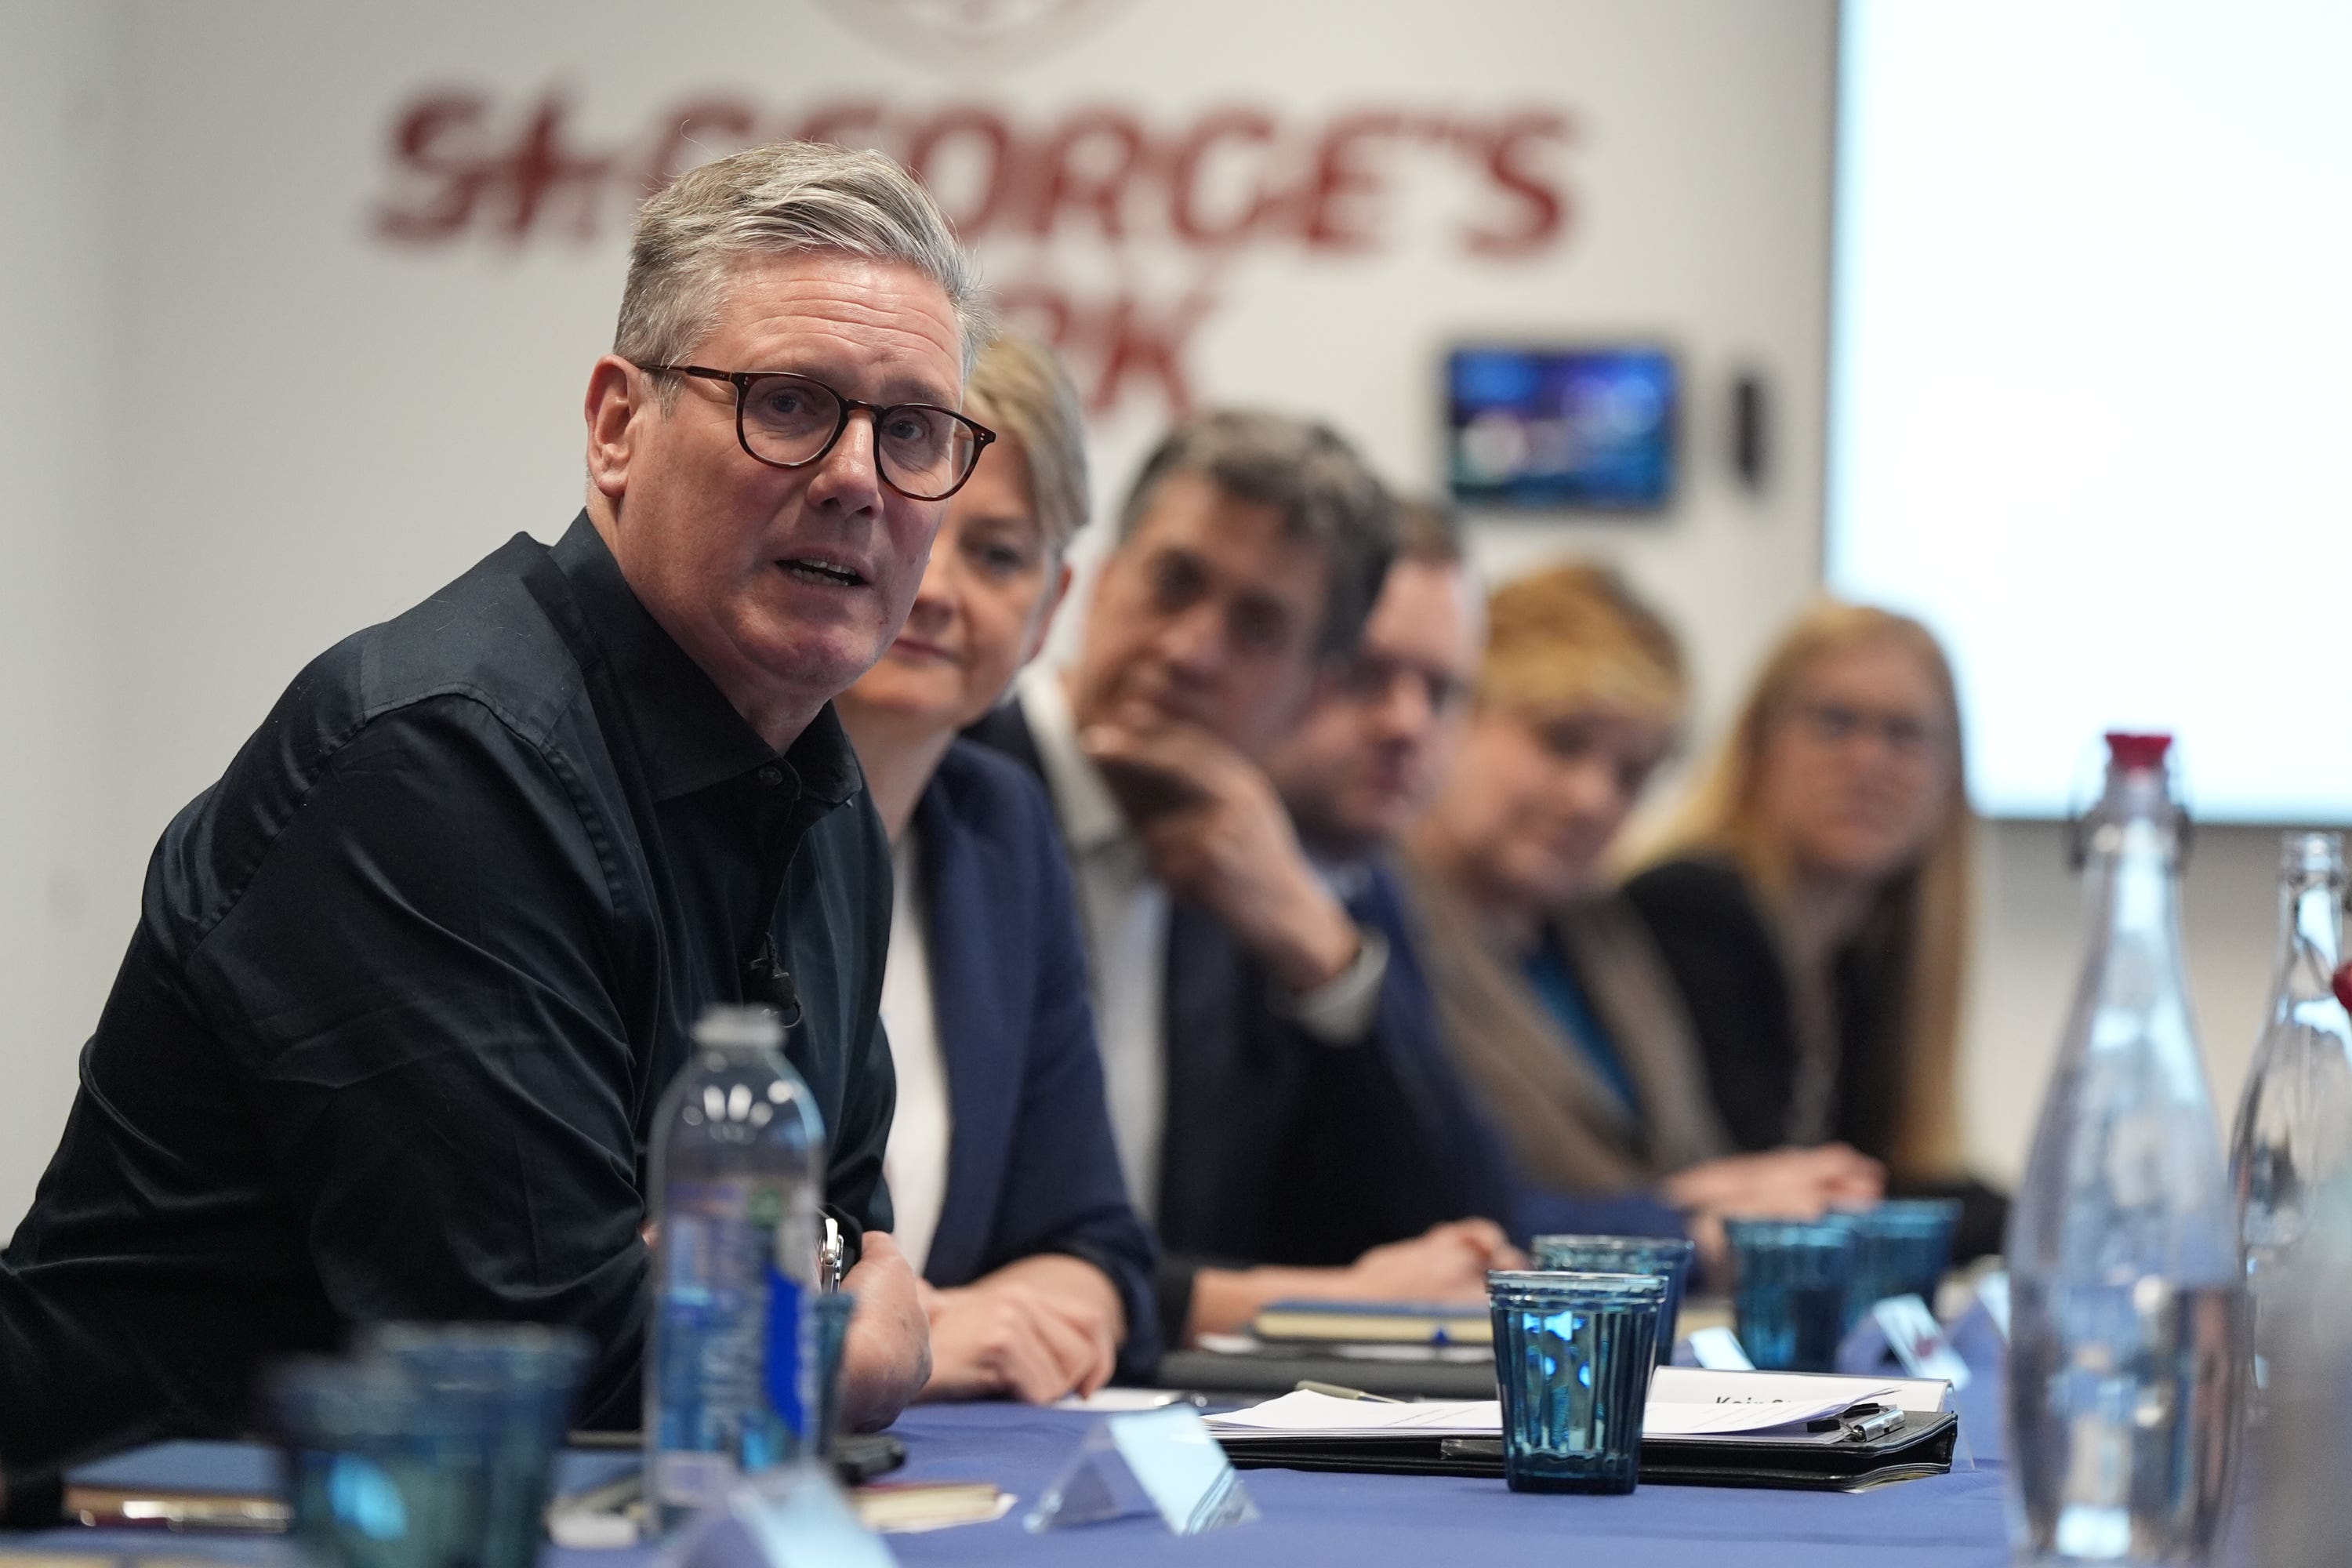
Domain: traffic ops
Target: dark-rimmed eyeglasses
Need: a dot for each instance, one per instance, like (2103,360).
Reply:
(920,450)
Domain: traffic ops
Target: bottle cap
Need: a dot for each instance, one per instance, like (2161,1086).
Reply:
(2136,752)
(721,1027)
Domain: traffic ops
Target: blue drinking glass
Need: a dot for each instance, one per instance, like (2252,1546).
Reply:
(1668,1257)
(829,1315)
(433,1448)
(1902,1247)
(1790,1284)
(1573,1355)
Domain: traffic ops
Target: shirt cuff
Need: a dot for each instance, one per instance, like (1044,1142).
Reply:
(1340,1011)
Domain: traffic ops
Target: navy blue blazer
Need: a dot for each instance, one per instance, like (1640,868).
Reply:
(1280,1149)
(1032,1166)
(1384,1137)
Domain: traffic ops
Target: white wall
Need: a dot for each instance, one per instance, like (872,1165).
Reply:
(346,422)
(2030,946)
(62,920)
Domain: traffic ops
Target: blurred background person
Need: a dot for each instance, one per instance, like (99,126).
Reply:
(1401,1138)
(1812,901)
(1252,547)
(1552,999)
(1037,1269)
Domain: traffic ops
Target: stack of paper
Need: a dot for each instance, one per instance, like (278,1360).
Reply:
(1709,1405)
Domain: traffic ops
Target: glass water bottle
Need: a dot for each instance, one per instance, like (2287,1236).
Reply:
(2126,1289)
(2295,1120)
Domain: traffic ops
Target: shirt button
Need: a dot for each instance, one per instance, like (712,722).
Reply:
(772,776)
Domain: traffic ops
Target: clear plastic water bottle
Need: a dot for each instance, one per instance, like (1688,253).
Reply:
(737,1162)
(2126,1289)
(2294,1120)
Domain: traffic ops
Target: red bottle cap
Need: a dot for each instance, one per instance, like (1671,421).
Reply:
(2136,753)
(2343,986)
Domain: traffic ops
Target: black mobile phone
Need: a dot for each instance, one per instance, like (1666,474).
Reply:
(860,1456)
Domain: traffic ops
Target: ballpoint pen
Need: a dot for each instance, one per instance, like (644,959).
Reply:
(1334,1391)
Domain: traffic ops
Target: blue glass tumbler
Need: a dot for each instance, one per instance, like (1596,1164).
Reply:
(1902,1247)
(1790,1280)
(1573,1355)
(1668,1257)
(433,1449)
(829,1314)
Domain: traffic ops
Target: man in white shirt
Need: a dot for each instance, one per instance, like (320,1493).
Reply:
(1250,552)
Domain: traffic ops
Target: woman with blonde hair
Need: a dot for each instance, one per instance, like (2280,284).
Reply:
(1003,1171)
(1551,998)
(1812,900)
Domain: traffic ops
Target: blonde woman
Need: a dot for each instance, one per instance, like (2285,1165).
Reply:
(1551,998)
(1037,1269)
(1812,902)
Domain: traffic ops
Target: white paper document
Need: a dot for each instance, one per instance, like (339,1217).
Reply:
(1700,1413)
(1698,1385)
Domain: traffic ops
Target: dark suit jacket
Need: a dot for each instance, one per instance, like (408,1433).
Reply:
(1281,1149)
(1725,961)
(1032,1166)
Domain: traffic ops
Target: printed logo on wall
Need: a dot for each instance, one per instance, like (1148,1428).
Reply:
(1115,230)
(962,34)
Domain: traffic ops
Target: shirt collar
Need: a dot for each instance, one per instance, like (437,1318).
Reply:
(1346,878)
(1082,799)
(688,735)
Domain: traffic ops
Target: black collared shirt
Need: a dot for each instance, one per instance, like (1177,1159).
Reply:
(407,984)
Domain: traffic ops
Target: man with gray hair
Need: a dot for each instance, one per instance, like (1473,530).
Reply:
(410,979)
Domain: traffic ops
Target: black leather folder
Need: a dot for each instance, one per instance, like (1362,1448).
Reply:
(1805,1461)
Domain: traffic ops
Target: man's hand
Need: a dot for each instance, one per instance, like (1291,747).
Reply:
(1217,834)
(1035,1331)
(887,1354)
(1786,1183)
(1445,1263)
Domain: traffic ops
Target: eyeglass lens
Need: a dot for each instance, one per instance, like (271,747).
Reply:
(922,451)
(1901,734)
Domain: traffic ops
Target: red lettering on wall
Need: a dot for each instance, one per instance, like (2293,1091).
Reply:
(1086,168)
(1340,211)
(540,175)
(1234,175)
(1116,347)
(436,144)
(1200,189)
(931,158)
(543,172)
(1137,345)
(1510,151)
(1190,168)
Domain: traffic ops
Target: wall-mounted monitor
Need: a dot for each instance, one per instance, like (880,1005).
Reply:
(2091,381)
(1556,428)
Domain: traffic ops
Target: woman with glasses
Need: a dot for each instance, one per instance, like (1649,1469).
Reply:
(1000,1164)
(1812,901)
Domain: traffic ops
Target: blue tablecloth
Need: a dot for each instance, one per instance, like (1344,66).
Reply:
(1365,1521)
